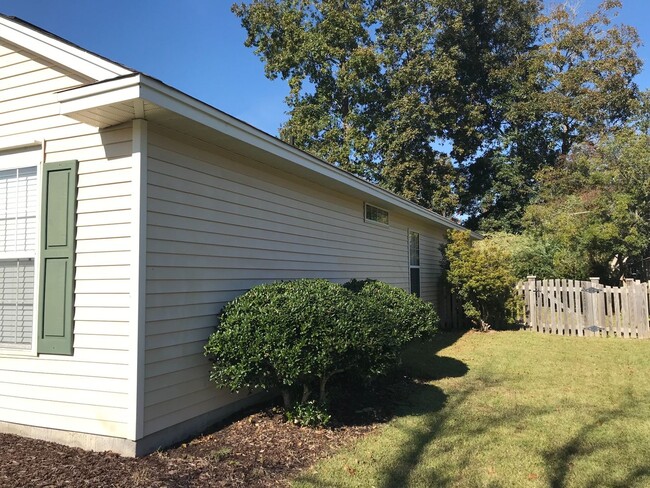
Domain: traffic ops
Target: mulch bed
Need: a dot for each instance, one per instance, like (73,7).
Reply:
(258,450)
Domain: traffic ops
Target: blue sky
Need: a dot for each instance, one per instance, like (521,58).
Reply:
(197,46)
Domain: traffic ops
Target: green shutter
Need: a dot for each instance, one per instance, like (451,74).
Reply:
(56,283)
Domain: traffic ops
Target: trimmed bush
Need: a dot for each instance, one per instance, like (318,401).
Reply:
(294,336)
(286,335)
(408,315)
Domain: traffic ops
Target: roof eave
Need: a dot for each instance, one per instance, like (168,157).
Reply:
(58,50)
(138,89)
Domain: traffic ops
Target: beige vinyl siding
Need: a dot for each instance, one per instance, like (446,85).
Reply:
(89,391)
(430,260)
(218,225)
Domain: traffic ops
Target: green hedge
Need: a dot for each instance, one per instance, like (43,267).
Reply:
(294,336)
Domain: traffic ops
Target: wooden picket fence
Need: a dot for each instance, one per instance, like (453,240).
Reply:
(450,311)
(585,308)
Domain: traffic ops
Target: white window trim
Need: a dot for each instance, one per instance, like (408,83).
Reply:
(31,351)
(374,222)
(412,266)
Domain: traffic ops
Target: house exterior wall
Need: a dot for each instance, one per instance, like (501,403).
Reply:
(91,391)
(218,224)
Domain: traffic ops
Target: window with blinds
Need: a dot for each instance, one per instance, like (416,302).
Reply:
(18,208)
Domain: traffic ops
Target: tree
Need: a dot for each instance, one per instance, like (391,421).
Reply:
(376,85)
(453,105)
(574,86)
(594,208)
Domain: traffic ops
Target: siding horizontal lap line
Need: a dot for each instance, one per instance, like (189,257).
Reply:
(242,235)
(110,204)
(90,140)
(238,176)
(105,166)
(175,274)
(48,366)
(247,251)
(169,366)
(55,83)
(94,398)
(178,339)
(226,198)
(100,413)
(220,212)
(108,217)
(160,219)
(19,80)
(165,187)
(268,193)
(63,422)
(174,403)
(247,262)
(153,424)
(33,126)
(162,395)
(25,114)
(67,382)
(99,152)
(168,380)
(164,353)
(25,67)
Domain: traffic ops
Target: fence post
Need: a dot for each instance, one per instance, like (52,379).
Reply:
(531,302)
(640,309)
(629,308)
(591,307)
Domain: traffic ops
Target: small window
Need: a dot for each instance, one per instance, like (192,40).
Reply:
(414,262)
(376,214)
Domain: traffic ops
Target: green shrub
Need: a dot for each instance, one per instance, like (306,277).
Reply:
(308,414)
(481,274)
(391,317)
(287,335)
(405,313)
(294,336)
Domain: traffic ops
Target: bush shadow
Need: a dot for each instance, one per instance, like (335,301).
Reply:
(355,401)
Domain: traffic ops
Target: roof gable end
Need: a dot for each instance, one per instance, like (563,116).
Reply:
(47,45)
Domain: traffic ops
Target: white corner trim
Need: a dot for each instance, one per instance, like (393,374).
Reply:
(138,280)
(60,52)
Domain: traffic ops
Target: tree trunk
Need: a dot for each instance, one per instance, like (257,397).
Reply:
(286,398)
(306,392)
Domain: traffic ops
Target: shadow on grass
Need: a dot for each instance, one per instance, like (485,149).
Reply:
(413,396)
(561,461)
(355,402)
(421,361)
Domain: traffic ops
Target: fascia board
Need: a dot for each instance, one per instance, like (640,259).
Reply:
(61,53)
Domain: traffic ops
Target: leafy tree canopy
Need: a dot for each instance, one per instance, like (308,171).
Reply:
(594,209)
(454,105)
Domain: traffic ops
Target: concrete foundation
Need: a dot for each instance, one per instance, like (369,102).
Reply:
(141,447)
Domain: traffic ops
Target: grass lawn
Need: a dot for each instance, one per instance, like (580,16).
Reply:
(510,409)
